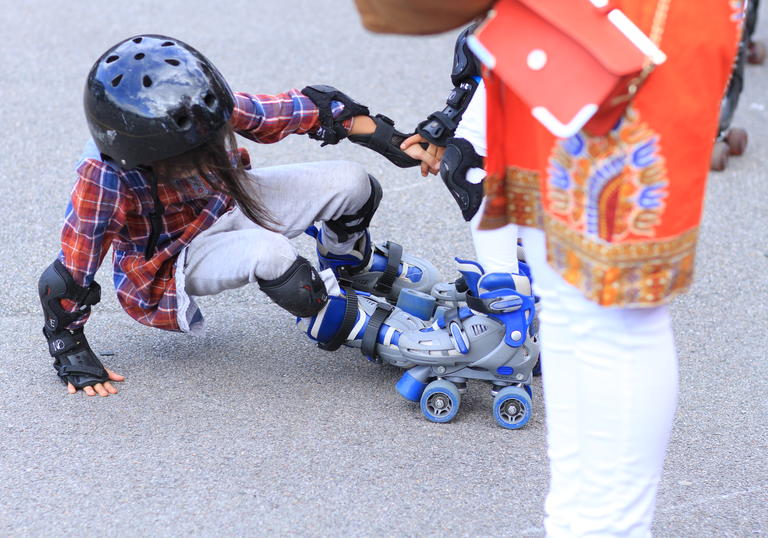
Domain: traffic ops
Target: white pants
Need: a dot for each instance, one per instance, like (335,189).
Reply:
(610,385)
(235,251)
(610,389)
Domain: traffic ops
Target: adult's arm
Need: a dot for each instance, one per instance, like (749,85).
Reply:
(418,17)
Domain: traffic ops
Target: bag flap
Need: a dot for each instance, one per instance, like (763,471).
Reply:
(590,27)
(561,81)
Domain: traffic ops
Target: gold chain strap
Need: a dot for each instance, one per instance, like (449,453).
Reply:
(659,21)
(657,31)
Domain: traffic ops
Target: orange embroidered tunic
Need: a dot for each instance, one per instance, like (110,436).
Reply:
(621,212)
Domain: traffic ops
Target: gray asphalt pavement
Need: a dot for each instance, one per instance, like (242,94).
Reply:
(251,430)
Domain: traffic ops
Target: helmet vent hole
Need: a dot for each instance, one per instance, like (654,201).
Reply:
(209,99)
(112,58)
(173,62)
(168,44)
(146,81)
(137,40)
(116,80)
(183,121)
(139,56)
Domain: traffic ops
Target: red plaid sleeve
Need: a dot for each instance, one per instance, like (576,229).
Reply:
(270,118)
(90,223)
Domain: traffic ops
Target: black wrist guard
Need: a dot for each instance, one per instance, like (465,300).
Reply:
(74,360)
(331,129)
(386,141)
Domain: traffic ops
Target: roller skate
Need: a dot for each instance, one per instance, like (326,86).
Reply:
(360,320)
(378,269)
(755,49)
(731,141)
(492,338)
(455,294)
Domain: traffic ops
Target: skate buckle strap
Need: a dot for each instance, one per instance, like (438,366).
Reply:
(388,277)
(382,136)
(371,334)
(495,305)
(459,337)
(81,370)
(350,316)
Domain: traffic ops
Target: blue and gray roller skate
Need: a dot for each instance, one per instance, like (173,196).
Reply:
(493,338)
(454,294)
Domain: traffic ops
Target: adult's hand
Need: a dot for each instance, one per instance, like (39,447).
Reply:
(430,157)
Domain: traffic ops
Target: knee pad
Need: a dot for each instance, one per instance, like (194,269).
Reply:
(346,225)
(55,284)
(299,290)
(459,157)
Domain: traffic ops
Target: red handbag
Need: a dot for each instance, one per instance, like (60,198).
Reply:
(575,63)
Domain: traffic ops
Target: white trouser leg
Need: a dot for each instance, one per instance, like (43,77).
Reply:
(610,388)
(299,195)
(495,249)
(236,251)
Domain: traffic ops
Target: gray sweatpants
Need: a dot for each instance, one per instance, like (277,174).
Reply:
(235,251)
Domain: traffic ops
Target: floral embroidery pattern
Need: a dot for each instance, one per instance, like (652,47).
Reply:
(611,187)
(626,274)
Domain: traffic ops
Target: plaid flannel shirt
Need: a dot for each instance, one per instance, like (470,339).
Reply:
(110,207)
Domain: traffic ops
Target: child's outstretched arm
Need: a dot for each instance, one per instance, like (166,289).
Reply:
(67,287)
(323,113)
(270,118)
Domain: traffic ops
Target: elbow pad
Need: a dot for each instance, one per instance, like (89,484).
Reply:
(441,125)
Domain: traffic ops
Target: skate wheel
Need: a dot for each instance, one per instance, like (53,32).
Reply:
(719,159)
(756,52)
(417,303)
(440,401)
(512,407)
(737,141)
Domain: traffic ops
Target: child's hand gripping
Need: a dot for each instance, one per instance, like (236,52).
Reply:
(430,157)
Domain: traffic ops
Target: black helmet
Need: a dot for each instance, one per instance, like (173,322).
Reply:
(151,97)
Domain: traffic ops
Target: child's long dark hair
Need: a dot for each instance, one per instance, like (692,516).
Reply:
(220,164)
